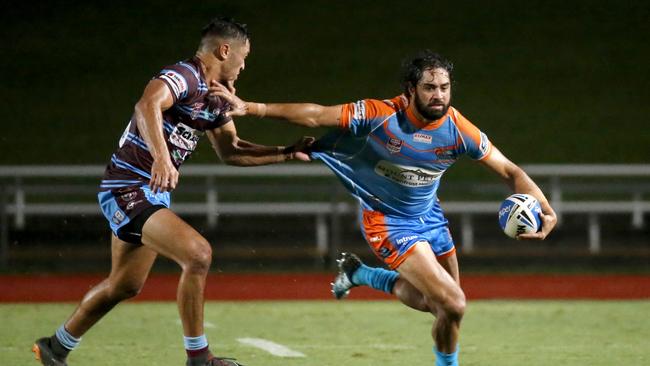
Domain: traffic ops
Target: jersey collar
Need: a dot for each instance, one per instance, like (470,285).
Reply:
(421,125)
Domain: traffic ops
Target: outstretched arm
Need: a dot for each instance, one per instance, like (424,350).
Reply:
(520,182)
(234,151)
(303,114)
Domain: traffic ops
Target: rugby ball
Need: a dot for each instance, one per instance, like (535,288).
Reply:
(519,214)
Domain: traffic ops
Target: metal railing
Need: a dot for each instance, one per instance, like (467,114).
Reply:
(19,183)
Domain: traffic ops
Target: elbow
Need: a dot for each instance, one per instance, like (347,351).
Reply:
(312,123)
(140,110)
(230,156)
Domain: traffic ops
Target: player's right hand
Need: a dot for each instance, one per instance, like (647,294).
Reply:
(302,148)
(164,176)
(237,106)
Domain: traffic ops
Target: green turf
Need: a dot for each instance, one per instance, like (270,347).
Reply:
(349,333)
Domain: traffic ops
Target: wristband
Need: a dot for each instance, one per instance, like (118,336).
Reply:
(288,151)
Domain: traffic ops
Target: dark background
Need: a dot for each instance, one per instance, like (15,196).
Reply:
(548,81)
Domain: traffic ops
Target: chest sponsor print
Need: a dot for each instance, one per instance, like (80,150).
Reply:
(408,176)
(185,137)
(421,137)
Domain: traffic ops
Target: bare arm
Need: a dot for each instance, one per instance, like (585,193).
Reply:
(303,114)
(234,151)
(155,99)
(520,182)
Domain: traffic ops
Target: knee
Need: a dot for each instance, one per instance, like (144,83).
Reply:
(454,306)
(125,290)
(199,257)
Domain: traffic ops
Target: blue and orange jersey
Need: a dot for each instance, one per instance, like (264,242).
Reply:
(391,161)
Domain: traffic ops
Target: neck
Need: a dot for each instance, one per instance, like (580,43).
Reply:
(208,66)
(420,121)
(414,114)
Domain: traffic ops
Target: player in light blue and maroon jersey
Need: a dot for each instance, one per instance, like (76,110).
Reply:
(391,155)
(175,110)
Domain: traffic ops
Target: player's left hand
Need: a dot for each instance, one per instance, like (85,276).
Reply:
(227,92)
(302,148)
(549,220)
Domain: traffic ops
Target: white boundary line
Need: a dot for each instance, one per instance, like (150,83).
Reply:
(271,347)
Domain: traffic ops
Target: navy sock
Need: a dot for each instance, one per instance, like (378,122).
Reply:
(377,278)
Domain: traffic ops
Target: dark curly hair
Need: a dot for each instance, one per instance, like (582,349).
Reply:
(413,67)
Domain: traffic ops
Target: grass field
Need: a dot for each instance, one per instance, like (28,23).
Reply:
(348,333)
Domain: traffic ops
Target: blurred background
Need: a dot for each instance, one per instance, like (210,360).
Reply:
(561,87)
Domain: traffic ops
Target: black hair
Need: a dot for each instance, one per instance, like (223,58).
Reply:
(225,27)
(414,67)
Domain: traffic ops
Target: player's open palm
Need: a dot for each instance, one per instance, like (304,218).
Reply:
(164,176)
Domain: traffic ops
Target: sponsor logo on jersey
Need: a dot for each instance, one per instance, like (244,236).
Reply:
(384,252)
(185,137)
(118,217)
(484,145)
(408,176)
(196,110)
(176,81)
(405,239)
(394,145)
(374,239)
(360,110)
(132,204)
(420,137)
(179,156)
(129,196)
(444,153)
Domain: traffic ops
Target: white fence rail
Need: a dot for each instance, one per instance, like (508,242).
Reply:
(17,183)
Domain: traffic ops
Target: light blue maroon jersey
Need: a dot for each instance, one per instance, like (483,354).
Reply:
(192,113)
(391,161)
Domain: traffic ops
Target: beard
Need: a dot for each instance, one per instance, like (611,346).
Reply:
(428,112)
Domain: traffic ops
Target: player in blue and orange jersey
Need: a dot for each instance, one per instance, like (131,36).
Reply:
(391,155)
(175,110)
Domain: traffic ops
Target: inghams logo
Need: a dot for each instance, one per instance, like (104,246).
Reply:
(408,176)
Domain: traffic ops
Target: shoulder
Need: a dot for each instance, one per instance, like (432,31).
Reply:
(183,78)
(371,108)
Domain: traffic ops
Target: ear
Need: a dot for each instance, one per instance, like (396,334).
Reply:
(222,52)
(411,89)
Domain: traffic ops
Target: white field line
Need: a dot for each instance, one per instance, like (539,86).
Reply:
(378,346)
(271,347)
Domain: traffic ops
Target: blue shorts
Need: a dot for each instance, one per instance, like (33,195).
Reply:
(125,208)
(393,238)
